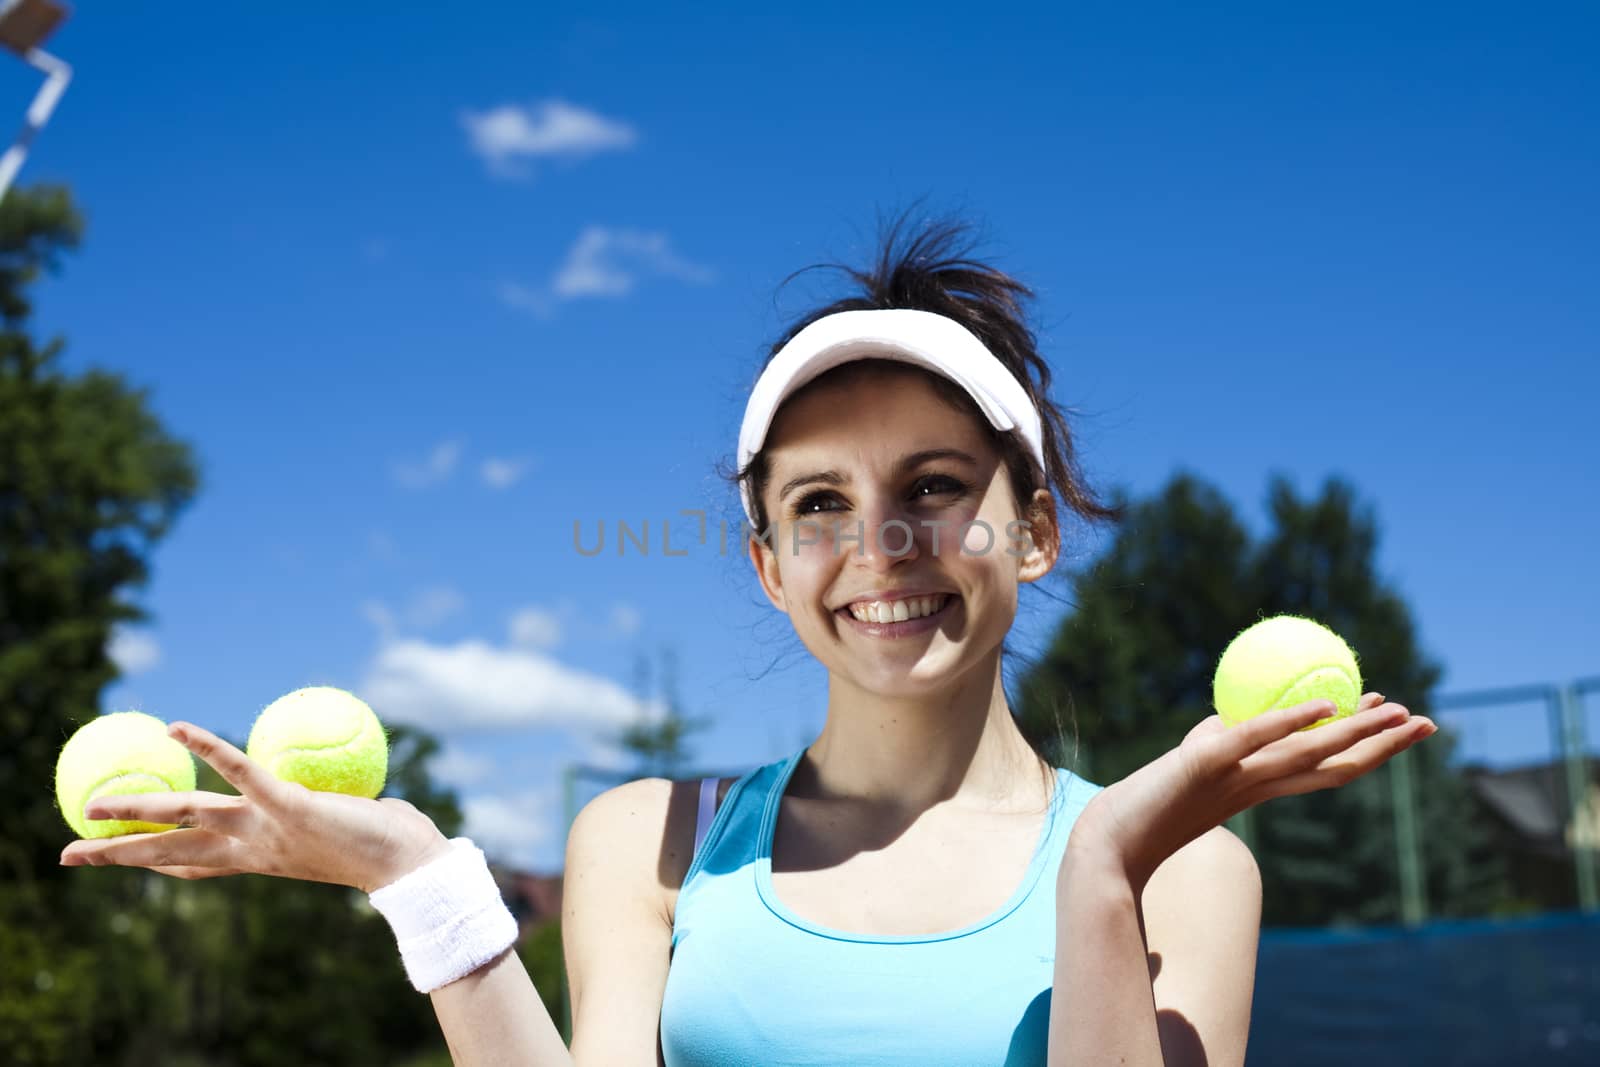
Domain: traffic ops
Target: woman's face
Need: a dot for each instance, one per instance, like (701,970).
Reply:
(879,489)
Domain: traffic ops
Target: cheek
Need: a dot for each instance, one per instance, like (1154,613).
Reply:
(988,557)
(807,539)
(981,539)
(803,571)
(982,532)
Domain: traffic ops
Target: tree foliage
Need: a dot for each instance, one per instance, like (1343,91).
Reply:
(111,965)
(89,483)
(1134,663)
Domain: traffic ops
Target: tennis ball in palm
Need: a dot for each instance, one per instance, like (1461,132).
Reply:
(324,738)
(1281,662)
(119,754)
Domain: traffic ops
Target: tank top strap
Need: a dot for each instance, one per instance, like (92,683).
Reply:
(708,807)
(726,835)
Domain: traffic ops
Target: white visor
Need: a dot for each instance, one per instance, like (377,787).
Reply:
(923,338)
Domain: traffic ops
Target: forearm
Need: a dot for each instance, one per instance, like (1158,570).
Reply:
(1102,1007)
(494,1017)
(449,919)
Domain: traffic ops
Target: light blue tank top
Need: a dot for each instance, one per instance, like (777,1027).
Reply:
(751,982)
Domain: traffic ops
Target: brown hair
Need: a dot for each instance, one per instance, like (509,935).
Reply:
(931,268)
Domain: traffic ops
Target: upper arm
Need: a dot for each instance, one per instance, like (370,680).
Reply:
(616,935)
(1202,914)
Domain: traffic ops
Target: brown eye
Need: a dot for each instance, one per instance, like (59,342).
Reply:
(942,485)
(805,503)
(931,485)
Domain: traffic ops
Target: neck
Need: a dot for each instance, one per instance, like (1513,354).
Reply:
(958,746)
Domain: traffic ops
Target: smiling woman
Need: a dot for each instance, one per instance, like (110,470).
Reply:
(919,885)
(876,897)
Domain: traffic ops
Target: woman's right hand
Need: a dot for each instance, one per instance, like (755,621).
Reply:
(272,827)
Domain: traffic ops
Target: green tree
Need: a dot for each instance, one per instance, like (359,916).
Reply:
(1135,658)
(89,483)
(411,752)
(118,965)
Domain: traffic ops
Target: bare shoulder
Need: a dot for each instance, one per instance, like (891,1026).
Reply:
(616,937)
(646,828)
(627,852)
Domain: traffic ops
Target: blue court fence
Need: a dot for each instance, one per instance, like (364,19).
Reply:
(1462,993)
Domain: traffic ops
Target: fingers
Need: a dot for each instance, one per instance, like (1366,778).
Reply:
(1270,726)
(1364,756)
(209,811)
(240,771)
(171,848)
(1302,751)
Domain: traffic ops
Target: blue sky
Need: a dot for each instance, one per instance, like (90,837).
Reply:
(425,285)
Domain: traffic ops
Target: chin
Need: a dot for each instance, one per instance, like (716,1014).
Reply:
(917,679)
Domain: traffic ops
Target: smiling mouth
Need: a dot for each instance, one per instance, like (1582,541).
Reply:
(902,610)
(880,622)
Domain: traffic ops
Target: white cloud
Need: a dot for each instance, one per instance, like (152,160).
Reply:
(604,262)
(513,828)
(535,628)
(506,136)
(437,467)
(473,685)
(625,619)
(458,767)
(502,473)
(609,262)
(133,651)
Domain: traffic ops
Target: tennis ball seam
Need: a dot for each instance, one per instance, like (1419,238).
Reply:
(1273,703)
(99,789)
(295,750)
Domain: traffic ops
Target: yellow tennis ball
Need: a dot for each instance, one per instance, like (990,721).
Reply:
(1281,662)
(119,754)
(324,738)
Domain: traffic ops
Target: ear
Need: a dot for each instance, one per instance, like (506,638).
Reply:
(1044,535)
(765,560)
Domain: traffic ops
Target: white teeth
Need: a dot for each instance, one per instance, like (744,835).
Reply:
(898,610)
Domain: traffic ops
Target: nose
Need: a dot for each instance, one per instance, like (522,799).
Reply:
(890,535)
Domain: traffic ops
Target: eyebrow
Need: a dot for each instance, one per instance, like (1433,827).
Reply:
(915,459)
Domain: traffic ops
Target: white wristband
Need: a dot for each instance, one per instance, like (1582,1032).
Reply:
(447,915)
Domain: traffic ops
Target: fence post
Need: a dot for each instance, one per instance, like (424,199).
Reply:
(1413,889)
(1579,830)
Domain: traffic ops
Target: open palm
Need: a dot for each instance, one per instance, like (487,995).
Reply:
(1218,771)
(272,827)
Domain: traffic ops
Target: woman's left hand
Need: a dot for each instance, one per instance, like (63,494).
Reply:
(1219,771)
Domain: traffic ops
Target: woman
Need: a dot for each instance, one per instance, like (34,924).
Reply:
(878,897)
